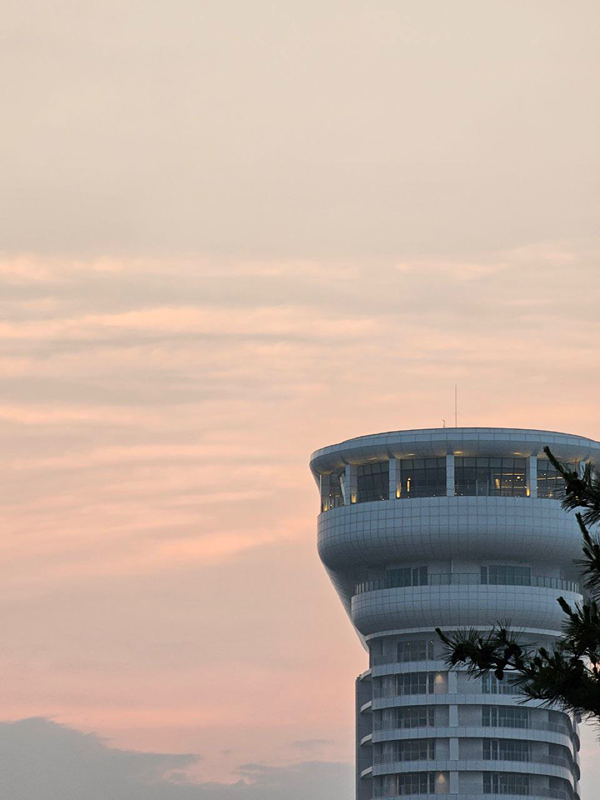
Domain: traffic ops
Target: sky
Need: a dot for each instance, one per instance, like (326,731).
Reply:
(232,233)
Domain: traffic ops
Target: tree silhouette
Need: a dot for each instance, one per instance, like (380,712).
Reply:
(568,674)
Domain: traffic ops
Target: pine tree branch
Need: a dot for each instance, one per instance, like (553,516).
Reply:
(569,673)
(581,491)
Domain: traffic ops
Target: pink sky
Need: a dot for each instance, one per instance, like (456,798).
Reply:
(234,233)
(160,573)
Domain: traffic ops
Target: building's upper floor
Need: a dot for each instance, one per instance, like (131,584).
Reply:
(505,462)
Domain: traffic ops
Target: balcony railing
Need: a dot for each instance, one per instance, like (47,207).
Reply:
(329,503)
(376,495)
(380,759)
(468,579)
(526,725)
(555,794)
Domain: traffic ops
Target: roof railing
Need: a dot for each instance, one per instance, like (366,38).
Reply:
(468,579)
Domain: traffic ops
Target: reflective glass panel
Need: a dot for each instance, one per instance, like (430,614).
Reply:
(407,576)
(415,683)
(503,477)
(415,750)
(491,685)
(421,477)
(333,495)
(415,650)
(505,783)
(416,783)
(373,482)
(505,750)
(415,717)
(550,483)
(500,575)
(504,717)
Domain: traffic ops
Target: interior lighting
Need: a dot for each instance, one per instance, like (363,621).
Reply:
(397,494)
(353,497)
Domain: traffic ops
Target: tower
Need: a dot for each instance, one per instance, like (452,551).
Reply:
(451,528)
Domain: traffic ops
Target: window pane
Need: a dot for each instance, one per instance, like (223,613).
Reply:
(505,750)
(334,496)
(416,783)
(415,683)
(421,477)
(491,685)
(500,575)
(373,482)
(490,476)
(407,576)
(415,750)
(505,783)
(416,717)
(550,484)
(415,650)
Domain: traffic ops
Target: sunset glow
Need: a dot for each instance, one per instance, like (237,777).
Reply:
(234,233)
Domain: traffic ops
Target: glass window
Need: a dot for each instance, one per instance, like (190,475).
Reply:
(560,756)
(560,788)
(491,685)
(415,717)
(415,650)
(421,477)
(504,717)
(550,483)
(376,653)
(505,783)
(415,750)
(373,482)
(416,783)
(333,497)
(415,683)
(505,750)
(559,722)
(407,576)
(500,575)
(504,477)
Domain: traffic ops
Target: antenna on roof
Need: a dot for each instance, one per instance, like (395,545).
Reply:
(456,405)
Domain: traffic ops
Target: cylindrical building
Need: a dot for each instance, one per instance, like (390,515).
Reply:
(451,528)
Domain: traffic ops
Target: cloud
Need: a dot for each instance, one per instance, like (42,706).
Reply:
(310,744)
(41,759)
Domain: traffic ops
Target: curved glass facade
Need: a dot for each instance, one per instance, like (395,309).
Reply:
(407,478)
(487,576)
(504,477)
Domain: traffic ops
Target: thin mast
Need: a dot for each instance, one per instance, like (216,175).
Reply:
(456,405)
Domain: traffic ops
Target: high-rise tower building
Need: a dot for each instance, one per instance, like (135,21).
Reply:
(456,528)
